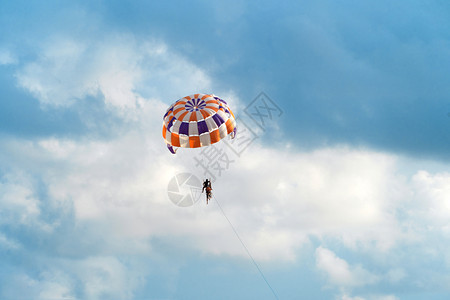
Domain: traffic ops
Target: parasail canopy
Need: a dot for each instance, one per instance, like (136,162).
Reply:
(197,120)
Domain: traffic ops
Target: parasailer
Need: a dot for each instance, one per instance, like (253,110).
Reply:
(196,121)
(208,188)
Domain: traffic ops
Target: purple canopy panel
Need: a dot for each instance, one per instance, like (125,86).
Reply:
(173,151)
(233,134)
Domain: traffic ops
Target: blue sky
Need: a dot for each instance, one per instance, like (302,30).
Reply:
(344,196)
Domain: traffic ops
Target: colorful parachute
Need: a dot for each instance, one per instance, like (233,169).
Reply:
(196,121)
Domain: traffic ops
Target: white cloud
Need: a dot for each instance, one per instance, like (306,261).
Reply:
(19,203)
(55,285)
(7,243)
(106,277)
(340,273)
(396,275)
(347,297)
(369,297)
(48,285)
(433,195)
(338,192)
(7,57)
(117,67)
(121,184)
(95,277)
(383,297)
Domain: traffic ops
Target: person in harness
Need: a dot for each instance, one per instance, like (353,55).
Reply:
(208,188)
